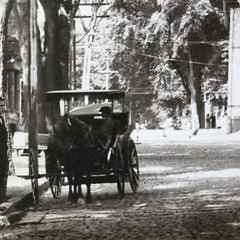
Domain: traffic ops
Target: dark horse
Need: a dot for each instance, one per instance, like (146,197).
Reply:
(73,145)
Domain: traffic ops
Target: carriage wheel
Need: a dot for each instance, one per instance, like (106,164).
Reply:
(34,178)
(55,182)
(133,167)
(120,172)
(55,186)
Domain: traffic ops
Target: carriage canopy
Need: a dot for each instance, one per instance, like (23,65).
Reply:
(76,104)
(65,94)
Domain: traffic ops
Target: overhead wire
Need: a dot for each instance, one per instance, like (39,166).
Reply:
(178,60)
(189,42)
(182,61)
(217,42)
(172,59)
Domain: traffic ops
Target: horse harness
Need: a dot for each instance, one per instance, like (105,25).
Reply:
(74,130)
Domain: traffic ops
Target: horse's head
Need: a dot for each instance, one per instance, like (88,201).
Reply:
(62,135)
(71,134)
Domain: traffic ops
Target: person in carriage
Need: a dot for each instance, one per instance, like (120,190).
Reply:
(107,133)
(103,138)
(104,133)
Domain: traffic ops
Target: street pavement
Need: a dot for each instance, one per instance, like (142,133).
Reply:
(189,189)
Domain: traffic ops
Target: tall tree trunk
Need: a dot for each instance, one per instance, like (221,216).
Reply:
(50,67)
(199,99)
(193,106)
(3,159)
(41,97)
(203,55)
(21,20)
(5,9)
(55,62)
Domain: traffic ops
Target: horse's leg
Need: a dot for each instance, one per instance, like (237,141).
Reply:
(88,183)
(80,194)
(70,193)
(75,185)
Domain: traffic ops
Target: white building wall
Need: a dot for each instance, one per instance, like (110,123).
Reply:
(234,72)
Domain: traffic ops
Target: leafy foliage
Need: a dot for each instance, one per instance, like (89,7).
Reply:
(215,77)
(160,39)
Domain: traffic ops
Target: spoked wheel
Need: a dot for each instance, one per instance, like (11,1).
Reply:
(34,177)
(133,167)
(120,172)
(55,186)
(55,181)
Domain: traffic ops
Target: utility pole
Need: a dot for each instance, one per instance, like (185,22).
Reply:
(74,56)
(33,81)
(226,14)
(88,50)
(89,38)
(70,51)
(72,45)
(107,69)
(87,61)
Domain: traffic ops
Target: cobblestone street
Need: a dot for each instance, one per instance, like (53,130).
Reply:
(119,120)
(189,189)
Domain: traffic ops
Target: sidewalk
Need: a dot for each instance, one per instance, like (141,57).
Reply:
(19,194)
(159,137)
(19,189)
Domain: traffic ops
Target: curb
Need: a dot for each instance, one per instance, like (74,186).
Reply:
(15,210)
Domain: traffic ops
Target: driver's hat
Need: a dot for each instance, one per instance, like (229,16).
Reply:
(106,109)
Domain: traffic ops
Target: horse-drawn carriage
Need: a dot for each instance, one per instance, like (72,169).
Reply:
(75,149)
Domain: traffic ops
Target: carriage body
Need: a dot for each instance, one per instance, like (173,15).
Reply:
(91,115)
(85,106)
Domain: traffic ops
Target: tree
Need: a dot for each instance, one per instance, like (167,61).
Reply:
(50,70)
(5,9)
(54,45)
(56,71)
(55,53)
(21,17)
(131,59)
(193,29)
(179,36)
(215,78)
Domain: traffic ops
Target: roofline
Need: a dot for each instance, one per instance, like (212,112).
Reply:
(71,93)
